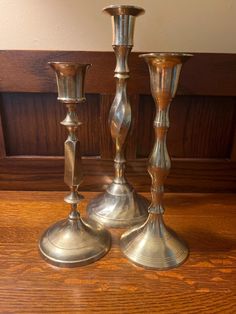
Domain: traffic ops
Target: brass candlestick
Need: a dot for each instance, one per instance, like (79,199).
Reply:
(153,245)
(120,206)
(73,241)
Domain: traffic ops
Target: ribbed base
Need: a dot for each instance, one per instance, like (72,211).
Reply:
(118,207)
(71,243)
(154,246)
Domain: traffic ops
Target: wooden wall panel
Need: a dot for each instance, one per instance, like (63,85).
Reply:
(200,126)
(187,175)
(89,131)
(204,74)
(31,123)
(131,150)
(201,140)
(209,127)
(107,147)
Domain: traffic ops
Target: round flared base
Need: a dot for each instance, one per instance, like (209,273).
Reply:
(118,207)
(153,245)
(74,242)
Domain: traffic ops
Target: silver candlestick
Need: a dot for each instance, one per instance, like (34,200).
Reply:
(73,241)
(153,245)
(120,206)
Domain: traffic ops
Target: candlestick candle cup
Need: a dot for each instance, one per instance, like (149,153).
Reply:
(73,241)
(153,244)
(120,205)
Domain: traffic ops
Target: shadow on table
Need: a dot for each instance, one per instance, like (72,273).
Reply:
(200,240)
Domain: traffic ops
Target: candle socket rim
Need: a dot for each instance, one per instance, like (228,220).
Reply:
(166,55)
(82,65)
(123,9)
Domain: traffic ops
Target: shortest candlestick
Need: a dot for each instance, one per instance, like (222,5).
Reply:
(153,245)
(73,241)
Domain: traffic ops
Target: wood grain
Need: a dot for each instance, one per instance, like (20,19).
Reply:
(106,144)
(205,74)
(31,124)
(206,283)
(131,148)
(2,140)
(187,175)
(201,139)
(233,146)
(200,126)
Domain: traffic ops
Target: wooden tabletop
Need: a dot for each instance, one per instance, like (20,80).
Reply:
(206,283)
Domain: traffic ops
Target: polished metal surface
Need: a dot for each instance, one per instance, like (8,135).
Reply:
(73,241)
(153,245)
(119,205)
(123,22)
(70,78)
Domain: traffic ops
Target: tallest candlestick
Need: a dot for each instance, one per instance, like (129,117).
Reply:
(120,206)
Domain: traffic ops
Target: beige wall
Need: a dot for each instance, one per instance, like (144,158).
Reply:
(168,25)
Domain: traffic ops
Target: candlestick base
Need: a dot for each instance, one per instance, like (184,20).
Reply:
(153,245)
(74,242)
(118,207)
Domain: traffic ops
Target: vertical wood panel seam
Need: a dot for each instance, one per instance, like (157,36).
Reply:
(233,147)
(2,140)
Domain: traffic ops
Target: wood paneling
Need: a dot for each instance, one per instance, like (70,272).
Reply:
(2,141)
(204,74)
(201,139)
(233,146)
(31,123)
(107,147)
(131,150)
(200,126)
(205,283)
(187,175)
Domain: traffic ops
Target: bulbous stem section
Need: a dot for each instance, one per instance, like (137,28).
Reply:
(164,72)
(159,161)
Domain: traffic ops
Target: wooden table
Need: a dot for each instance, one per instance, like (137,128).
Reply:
(206,283)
